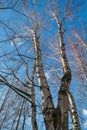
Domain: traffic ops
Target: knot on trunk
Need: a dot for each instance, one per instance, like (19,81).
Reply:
(66,77)
(65,80)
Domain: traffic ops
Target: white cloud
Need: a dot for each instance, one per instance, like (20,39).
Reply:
(84,112)
(47,75)
(85,124)
(16,41)
(19,43)
(12,43)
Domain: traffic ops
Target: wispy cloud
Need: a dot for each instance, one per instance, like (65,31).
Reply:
(84,112)
(85,124)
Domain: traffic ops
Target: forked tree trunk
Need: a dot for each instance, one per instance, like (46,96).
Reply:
(66,100)
(58,121)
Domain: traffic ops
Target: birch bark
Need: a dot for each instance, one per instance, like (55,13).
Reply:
(73,112)
(66,100)
(33,105)
(65,81)
(47,104)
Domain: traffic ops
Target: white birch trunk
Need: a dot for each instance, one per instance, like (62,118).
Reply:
(73,112)
(66,79)
(33,105)
(47,104)
(65,82)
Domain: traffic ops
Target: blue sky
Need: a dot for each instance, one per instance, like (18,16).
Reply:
(17,21)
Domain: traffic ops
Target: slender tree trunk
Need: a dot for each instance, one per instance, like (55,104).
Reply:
(4,118)
(4,100)
(33,105)
(24,121)
(13,123)
(73,112)
(19,116)
(47,104)
(33,111)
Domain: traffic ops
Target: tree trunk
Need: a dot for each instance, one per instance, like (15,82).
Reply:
(73,112)
(65,82)
(66,100)
(33,105)
(19,116)
(47,104)
(63,105)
